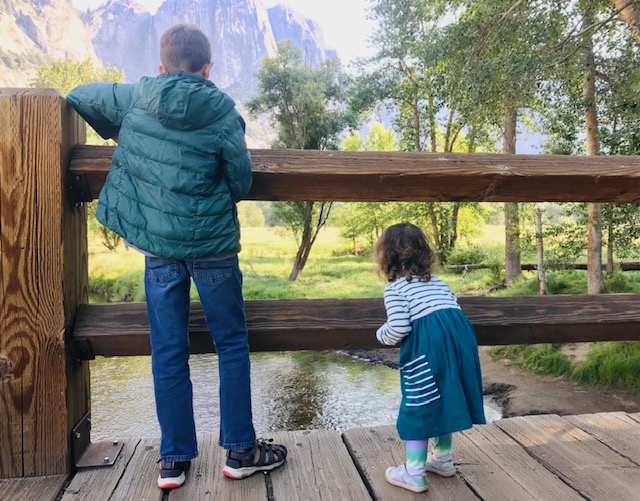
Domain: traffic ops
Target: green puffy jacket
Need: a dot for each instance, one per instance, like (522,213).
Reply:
(180,166)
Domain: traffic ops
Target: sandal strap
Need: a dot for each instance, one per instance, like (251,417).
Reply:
(268,454)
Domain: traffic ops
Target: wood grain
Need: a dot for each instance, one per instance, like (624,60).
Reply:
(205,480)
(318,467)
(33,305)
(524,458)
(31,489)
(98,484)
(590,467)
(320,324)
(616,429)
(500,470)
(139,480)
(298,175)
(375,449)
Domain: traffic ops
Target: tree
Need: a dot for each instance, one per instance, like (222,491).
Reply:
(504,63)
(629,12)
(66,74)
(366,220)
(306,105)
(594,94)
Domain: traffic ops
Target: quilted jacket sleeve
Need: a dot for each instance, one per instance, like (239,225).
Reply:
(103,105)
(236,158)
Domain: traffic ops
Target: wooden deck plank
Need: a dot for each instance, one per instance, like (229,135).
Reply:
(140,478)
(375,449)
(498,468)
(590,467)
(98,484)
(31,488)
(635,416)
(206,482)
(616,429)
(318,468)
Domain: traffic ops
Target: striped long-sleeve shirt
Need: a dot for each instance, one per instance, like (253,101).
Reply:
(408,301)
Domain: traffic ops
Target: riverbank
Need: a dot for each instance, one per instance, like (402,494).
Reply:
(521,393)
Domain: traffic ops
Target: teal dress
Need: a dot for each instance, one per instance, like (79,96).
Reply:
(440,376)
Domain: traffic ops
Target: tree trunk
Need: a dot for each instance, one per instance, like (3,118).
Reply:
(448,145)
(630,15)
(513,268)
(432,126)
(309,235)
(595,283)
(434,226)
(610,248)
(542,276)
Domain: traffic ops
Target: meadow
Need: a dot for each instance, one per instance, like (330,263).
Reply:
(331,272)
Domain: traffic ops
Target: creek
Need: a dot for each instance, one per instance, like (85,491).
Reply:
(290,391)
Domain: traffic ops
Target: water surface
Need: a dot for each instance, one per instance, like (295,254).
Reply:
(290,391)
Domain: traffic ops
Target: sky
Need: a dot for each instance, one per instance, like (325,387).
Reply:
(343,22)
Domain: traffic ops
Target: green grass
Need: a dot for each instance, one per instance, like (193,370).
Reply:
(614,364)
(266,261)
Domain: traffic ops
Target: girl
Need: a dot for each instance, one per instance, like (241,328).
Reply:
(439,367)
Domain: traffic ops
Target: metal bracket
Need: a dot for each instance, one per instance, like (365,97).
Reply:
(80,350)
(89,455)
(77,188)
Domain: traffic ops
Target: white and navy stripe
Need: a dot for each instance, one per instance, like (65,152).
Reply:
(408,301)
(419,385)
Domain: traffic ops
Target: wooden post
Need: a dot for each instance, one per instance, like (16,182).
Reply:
(43,277)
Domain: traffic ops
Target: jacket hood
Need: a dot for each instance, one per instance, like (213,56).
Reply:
(182,100)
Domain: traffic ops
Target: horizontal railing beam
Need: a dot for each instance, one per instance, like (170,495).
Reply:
(118,329)
(297,175)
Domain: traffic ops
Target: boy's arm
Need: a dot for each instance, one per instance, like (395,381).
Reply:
(398,324)
(236,158)
(102,105)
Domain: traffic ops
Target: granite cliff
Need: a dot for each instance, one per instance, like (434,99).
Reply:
(125,34)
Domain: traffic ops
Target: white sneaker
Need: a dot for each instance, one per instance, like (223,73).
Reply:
(402,478)
(439,467)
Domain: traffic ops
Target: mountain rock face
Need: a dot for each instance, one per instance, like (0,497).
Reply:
(36,32)
(304,33)
(124,34)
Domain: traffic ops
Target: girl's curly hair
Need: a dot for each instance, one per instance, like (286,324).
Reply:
(403,250)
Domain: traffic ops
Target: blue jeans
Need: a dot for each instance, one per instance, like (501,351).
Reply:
(219,283)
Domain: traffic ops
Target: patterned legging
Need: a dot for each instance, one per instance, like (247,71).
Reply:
(417,451)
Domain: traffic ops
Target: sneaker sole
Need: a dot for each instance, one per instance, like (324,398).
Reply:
(171,483)
(431,469)
(247,471)
(413,488)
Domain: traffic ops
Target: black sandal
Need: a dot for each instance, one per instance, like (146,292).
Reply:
(242,464)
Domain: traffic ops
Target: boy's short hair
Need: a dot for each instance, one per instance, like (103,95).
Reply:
(184,47)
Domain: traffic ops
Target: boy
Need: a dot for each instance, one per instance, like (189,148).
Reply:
(180,167)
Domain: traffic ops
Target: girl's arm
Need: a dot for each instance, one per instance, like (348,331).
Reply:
(398,324)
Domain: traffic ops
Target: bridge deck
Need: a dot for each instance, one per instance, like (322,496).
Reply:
(544,457)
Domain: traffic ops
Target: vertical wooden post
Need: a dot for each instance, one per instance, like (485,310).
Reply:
(43,277)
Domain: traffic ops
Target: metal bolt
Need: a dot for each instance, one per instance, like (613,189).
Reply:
(78,435)
(107,459)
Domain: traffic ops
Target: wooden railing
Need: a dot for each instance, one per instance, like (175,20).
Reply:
(47,328)
(344,176)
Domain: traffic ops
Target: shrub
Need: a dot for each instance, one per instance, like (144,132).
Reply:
(470,255)
(612,364)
